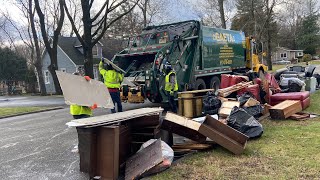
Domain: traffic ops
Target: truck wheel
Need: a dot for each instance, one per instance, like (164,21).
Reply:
(200,84)
(215,83)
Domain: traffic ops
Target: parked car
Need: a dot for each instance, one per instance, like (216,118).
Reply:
(281,62)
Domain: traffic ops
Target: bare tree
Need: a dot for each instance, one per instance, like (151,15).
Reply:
(215,12)
(95,26)
(28,35)
(150,9)
(51,44)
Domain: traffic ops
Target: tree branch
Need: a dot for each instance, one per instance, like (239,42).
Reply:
(43,28)
(90,4)
(73,24)
(100,11)
(96,40)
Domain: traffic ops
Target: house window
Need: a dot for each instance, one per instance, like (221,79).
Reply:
(95,73)
(299,53)
(46,77)
(95,50)
(63,69)
(283,55)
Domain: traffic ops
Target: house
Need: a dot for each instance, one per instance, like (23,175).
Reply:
(70,59)
(282,53)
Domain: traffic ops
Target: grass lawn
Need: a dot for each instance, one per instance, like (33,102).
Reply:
(288,149)
(18,110)
(276,66)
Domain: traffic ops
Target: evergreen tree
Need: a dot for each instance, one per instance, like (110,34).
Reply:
(12,67)
(308,34)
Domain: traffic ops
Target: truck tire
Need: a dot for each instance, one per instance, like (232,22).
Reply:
(214,83)
(200,84)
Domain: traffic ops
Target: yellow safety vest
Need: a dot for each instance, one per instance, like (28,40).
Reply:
(80,110)
(112,79)
(169,86)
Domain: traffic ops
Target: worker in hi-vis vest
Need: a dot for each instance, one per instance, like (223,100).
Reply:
(79,112)
(171,86)
(113,80)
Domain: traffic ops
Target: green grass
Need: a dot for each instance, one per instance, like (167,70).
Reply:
(276,66)
(288,149)
(18,110)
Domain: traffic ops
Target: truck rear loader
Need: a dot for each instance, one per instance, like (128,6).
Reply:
(198,54)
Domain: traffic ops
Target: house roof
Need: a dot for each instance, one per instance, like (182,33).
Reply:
(287,49)
(68,45)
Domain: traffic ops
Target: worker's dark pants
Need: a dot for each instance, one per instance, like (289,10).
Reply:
(172,103)
(81,116)
(116,99)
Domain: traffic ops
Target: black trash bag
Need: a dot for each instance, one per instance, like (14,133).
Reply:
(242,121)
(295,85)
(243,98)
(255,111)
(211,104)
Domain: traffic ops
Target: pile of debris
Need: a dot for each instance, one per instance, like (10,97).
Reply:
(140,142)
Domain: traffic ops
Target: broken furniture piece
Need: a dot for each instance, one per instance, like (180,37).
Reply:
(104,144)
(218,132)
(190,102)
(285,109)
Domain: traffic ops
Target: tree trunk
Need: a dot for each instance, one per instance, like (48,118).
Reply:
(87,38)
(42,85)
(145,13)
(88,62)
(269,46)
(52,68)
(222,15)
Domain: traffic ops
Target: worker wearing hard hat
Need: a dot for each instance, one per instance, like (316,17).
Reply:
(171,86)
(113,80)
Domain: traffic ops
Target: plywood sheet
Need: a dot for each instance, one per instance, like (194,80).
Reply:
(116,117)
(77,90)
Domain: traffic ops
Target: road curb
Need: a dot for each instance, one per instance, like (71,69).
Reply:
(20,114)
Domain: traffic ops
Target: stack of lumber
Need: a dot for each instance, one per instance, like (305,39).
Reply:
(285,109)
(227,91)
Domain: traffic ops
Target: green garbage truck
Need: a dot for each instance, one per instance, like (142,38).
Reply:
(198,54)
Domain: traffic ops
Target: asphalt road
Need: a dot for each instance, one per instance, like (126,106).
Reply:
(14,101)
(38,146)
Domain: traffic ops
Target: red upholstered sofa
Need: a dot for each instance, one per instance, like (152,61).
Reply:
(303,97)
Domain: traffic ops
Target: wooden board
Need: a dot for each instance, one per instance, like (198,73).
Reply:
(285,109)
(227,106)
(192,146)
(218,132)
(108,152)
(113,65)
(143,160)
(196,91)
(77,90)
(115,117)
(251,102)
